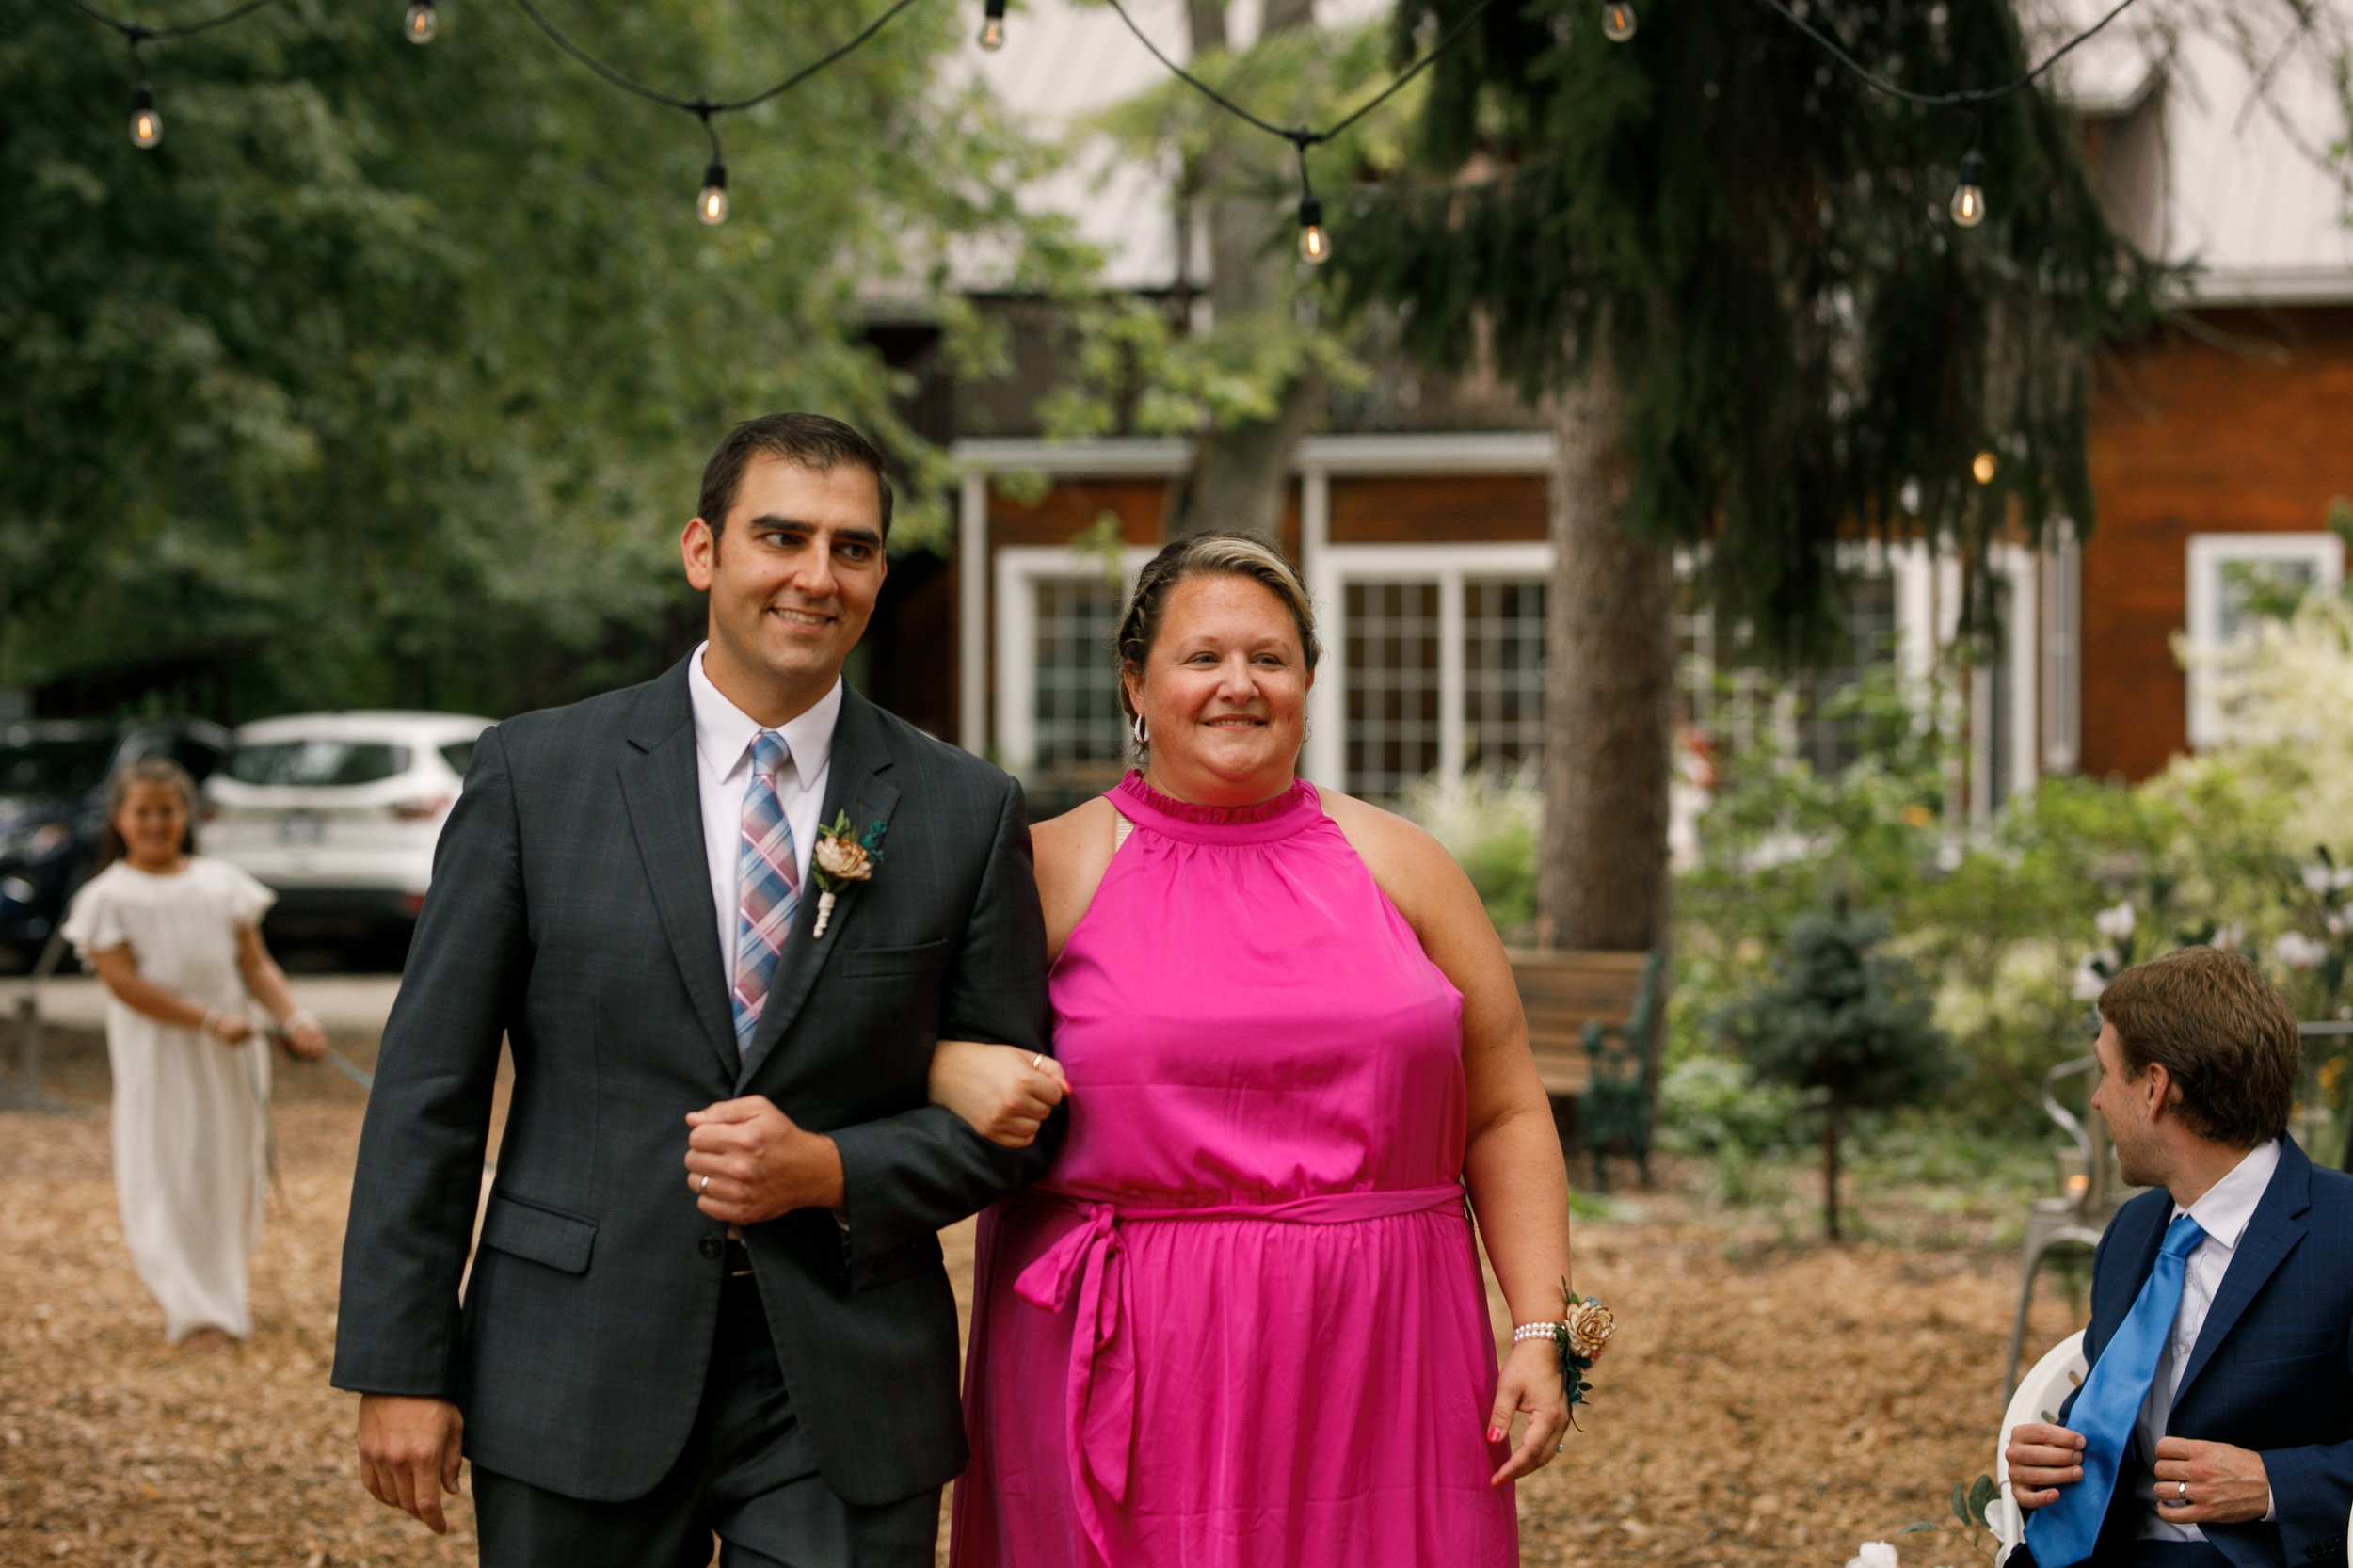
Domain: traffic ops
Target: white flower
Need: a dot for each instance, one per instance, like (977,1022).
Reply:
(2340,878)
(2299,951)
(2337,922)
(2230,938)
(2317,878)
(2115,923)
(2090,978)
(1873,1554)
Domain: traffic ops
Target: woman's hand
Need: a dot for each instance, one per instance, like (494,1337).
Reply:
(1003,1092)
(1531,1383)
(229,1028)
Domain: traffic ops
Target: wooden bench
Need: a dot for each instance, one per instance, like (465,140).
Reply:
(1590,1016)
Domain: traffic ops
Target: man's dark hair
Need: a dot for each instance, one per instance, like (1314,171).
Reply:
(2223,1032)
(812,440)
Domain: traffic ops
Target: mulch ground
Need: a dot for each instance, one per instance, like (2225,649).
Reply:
(1767,1401)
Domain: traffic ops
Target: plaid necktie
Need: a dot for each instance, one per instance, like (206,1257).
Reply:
(768,880)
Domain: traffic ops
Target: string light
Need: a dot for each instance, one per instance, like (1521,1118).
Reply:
(712,205)
(1315,246)
(1969,196)
(147,125)
(993,25)
(1982,467)
(420,25)
(1617,21)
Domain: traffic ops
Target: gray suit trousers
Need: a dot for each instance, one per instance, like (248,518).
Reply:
(746,1475)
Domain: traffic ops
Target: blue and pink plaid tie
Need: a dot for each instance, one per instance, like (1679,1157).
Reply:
(768,882)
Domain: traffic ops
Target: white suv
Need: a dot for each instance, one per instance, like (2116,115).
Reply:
(338,814)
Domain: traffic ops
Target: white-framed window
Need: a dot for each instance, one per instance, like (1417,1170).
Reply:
(1058,711)
(2224,571)
(1433,662)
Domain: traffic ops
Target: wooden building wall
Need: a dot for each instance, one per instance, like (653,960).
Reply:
(2246,426)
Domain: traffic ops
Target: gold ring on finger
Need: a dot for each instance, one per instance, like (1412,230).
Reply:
(1037,1062)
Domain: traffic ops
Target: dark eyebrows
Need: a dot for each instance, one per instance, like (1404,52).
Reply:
(770,522)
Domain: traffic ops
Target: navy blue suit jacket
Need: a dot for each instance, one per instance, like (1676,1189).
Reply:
(2272,1370)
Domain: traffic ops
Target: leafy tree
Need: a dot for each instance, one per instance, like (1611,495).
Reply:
(1848,1024)
(1724,267)
(387,378)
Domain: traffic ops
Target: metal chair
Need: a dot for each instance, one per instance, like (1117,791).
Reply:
(2038,1399)
(2075,1218)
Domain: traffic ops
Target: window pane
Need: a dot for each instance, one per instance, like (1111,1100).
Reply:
(1392,686)
(1503,671)
(1827,739)
(317,762)
(1075,700)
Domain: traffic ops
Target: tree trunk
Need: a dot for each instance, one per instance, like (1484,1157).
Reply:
(1829,1169)
(1238,476)
(1608,695)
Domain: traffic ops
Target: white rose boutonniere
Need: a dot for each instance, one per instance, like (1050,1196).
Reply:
(841,856)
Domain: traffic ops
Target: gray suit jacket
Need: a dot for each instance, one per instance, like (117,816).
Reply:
(571,914)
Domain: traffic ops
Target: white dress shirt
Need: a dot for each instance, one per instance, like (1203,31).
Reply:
(723,772)
(2222,1213)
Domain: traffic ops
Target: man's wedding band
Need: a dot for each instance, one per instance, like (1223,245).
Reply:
(2181,1491)
(704,1191)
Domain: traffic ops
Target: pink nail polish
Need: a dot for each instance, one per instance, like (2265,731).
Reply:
(1493,1435)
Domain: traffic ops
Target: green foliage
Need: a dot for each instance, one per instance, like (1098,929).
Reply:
(1842,1018)
(388,377)
(1758,246)
(1488,821)
(1710,1104)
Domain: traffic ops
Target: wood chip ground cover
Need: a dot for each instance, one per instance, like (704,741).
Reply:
(1766,1403)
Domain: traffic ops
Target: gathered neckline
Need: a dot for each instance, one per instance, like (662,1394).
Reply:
(1285,813)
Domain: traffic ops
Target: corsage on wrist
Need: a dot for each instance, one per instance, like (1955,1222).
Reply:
(1580,1335)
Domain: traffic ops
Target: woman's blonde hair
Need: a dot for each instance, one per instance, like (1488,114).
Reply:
(147,770)
(1203,556)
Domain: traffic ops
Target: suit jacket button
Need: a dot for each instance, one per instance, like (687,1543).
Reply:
(711,1246)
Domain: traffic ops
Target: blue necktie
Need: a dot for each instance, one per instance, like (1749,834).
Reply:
(2109,1405)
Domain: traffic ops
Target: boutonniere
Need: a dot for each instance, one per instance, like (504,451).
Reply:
(841,857)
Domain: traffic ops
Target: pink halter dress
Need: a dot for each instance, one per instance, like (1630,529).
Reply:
(1240,1324)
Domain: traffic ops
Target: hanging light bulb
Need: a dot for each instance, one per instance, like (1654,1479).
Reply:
(1969,196)
(147,126)
(420,23)
(1982,467)
(712,205)
(1617,21)
(993,25)
(1315,246)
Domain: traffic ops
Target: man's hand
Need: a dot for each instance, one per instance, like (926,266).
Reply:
(2225,1485)
(748,1161)
(2043,1459)
(409,1454)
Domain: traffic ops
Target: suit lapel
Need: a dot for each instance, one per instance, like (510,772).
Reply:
(658,783)
(2130,1258)
(2273,1233)
(855,783)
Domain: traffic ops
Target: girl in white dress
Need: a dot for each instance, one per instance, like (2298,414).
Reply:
(176,938)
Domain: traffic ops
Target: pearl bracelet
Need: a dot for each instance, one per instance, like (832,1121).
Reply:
(1535,1331)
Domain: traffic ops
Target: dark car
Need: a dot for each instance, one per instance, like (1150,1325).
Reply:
(52,794)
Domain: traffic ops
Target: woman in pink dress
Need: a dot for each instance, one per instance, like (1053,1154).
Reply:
(1241,1323)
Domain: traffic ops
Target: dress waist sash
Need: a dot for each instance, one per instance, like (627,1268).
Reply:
(1084,1264)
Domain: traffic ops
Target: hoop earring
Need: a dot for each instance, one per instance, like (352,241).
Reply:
(1141,730)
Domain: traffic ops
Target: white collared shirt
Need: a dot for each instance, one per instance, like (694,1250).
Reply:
(723,772)
(2222,1212)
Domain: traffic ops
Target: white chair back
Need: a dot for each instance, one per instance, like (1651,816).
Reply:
(2040,1393)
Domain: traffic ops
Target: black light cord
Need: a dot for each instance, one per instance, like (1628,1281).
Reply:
(1963,99)
(701,107)
(139,33)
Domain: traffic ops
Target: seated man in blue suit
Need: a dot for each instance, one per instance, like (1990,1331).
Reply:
(2215,1429)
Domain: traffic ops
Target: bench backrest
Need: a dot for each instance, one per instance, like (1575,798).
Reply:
(1562,992)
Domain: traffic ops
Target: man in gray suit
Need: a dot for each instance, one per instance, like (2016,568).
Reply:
(708,1295)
